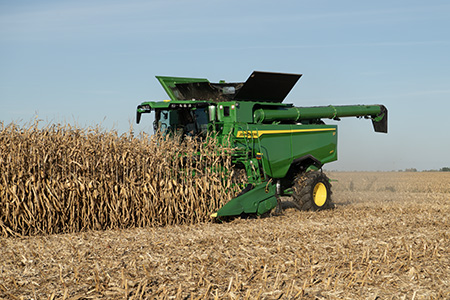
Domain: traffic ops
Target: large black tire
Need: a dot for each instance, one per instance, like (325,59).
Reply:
(312,191)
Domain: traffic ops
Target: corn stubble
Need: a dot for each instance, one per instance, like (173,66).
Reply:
(61,179)
(379,243)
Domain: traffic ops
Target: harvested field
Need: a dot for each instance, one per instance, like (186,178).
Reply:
(388,238)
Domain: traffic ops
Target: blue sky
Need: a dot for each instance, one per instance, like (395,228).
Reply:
(92,62)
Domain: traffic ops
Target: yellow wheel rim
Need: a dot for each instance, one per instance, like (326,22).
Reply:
(320,194)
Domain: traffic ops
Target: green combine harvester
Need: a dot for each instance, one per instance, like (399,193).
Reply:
(282,148)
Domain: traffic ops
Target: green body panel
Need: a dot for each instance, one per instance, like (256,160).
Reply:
(281,144)
(259,200)
(273,141)
(169,84)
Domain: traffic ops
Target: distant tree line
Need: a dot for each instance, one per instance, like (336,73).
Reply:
(444,169)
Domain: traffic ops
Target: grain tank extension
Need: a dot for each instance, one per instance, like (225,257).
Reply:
(280,147)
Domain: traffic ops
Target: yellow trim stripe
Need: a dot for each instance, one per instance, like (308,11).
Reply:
(257,133)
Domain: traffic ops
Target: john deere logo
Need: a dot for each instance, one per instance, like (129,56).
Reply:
(249,134)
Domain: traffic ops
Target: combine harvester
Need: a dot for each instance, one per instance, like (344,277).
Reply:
(282,148)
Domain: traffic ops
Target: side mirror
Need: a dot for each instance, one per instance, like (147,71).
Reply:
(142,109)
(138,117)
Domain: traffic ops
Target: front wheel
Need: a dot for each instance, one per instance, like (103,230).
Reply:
(312,191)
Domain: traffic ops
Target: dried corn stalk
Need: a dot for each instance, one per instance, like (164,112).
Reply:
(61,179)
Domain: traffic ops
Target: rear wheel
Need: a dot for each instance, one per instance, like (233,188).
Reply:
(312,191)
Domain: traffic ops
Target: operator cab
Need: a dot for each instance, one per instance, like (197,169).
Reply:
(183,121)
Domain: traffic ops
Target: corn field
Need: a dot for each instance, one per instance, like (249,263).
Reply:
(61,179)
